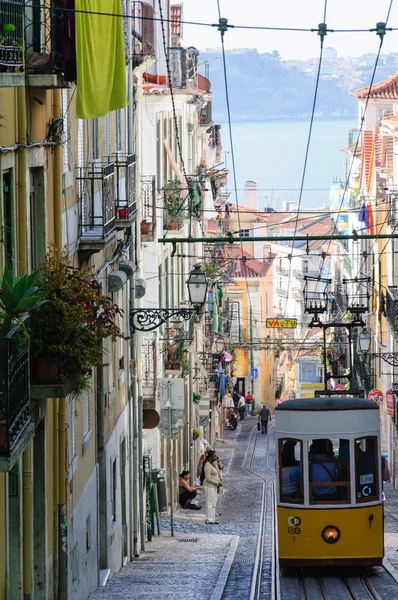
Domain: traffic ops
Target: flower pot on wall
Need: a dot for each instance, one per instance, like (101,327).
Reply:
(45,369)
(146,227)
(173,225)
(122,213)
(3,434)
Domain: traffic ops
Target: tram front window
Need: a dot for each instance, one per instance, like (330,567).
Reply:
(290,460)
(329,471)
(366,454)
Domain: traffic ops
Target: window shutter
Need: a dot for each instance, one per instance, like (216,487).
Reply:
(86,412)
(66,144)
(71,430)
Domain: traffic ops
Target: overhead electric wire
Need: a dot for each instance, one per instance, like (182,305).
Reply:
(196,23)
(322,34)
(232,145)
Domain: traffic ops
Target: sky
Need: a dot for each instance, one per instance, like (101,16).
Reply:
(340,14)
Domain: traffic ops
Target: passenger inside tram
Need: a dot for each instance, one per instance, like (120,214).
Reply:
(323,471)
(288,464)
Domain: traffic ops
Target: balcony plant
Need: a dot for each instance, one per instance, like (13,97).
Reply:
(67,332)
(173,205)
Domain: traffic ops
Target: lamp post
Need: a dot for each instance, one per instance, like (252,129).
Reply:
(148,319)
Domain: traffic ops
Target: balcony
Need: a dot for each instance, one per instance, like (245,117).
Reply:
(126,205)
(392,308)
(282,270)
(178,67)
(96,188)
(393,206)
(12,60)
(143,32)
(282,292)
(206,114)
(148,207)
(298,273)
(15,424)
(238,335)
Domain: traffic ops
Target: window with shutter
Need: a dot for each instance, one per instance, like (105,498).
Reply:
(85,412)
(66,144)
(72,456)
(120,324)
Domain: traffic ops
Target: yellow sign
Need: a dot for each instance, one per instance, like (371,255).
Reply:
(281,323)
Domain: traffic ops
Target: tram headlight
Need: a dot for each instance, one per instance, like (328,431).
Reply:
(331,534)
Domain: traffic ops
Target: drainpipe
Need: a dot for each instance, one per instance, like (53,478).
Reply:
(62,527)
(138,406)
(133,504)
(101,460)
(23,267)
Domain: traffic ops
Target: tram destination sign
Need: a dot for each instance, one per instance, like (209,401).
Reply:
(281,323)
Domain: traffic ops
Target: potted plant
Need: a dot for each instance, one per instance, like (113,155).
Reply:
(146,226)
(196,398)
(68,330)
(195,433)
(173,205)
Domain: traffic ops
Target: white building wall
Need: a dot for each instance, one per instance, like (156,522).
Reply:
(83,575)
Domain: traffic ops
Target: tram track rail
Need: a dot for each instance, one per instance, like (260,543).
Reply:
(268,507)
(352,584)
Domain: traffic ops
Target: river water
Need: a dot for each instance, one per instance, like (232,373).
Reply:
(273,153)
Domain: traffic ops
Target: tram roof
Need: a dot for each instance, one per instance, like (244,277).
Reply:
(335,403)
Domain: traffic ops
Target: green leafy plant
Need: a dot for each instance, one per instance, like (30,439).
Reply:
(196,398)
(19,295)
(75,320)
(185,365)
(195,433)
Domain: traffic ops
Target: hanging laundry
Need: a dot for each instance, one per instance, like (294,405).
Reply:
(363,214)
(100,58)
(371,225)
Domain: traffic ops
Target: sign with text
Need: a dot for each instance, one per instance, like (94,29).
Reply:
(376,396)
(171,390)
(281,323)
(254,373)
(339,388)
(171,421)
(390,403)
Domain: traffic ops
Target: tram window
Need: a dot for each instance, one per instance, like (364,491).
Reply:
(366,464)
(290,472)
(329,471)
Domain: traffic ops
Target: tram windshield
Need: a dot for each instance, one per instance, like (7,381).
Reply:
(290,461)
(366,454)
(329,471)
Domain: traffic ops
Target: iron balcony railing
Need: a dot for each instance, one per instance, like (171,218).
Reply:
(44,37)
(282,292)
(178,67)
(14,388)
(96,184)
(12,35)
(143,31)
(206,114)
(393,205)
(392,307)
(125,171)
(148,199)
(282,270)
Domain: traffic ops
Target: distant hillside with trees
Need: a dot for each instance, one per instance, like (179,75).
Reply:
(261,88)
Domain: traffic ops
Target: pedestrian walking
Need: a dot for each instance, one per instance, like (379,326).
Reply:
(212,483)
(241,407)
(249,401)
(264,416)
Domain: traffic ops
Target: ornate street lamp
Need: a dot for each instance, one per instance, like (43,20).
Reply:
(364,340)
(197,287)
(148,319)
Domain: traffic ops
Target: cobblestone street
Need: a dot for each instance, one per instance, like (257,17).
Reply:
(196,562)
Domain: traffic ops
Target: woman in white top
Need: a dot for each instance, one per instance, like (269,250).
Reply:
(212,482)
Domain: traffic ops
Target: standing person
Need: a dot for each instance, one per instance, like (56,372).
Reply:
(249,400)
(241,407)
(264,416)
(212,482)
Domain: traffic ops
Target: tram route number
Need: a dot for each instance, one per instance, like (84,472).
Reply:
(294,528)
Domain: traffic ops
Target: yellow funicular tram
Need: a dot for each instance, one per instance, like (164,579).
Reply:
(329,482)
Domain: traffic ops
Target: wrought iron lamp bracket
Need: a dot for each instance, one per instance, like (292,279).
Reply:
(148,319)
(389,357)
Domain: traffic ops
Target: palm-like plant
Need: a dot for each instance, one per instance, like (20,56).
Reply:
(18,295)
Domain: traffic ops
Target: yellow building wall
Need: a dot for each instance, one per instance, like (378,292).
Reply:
(241,365)
(3,554)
